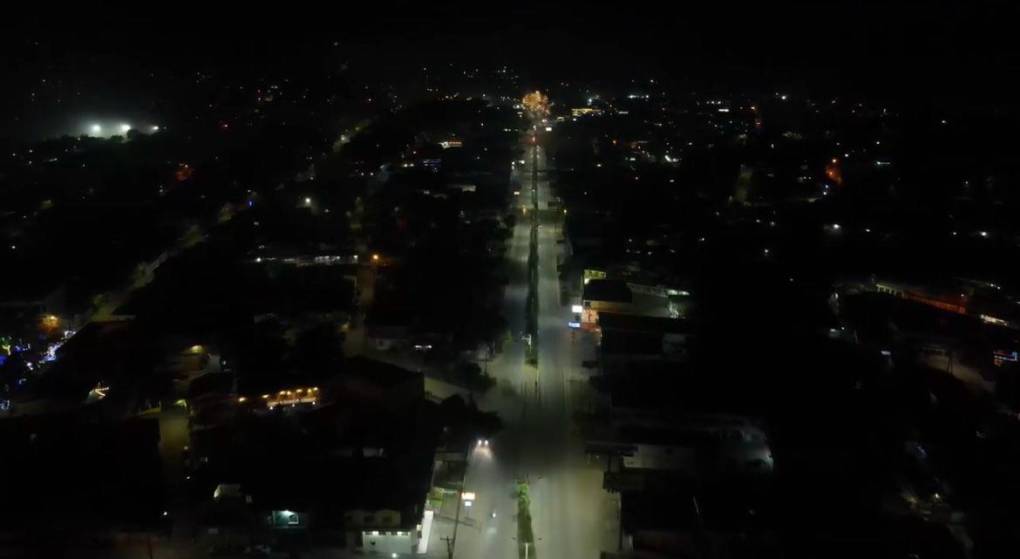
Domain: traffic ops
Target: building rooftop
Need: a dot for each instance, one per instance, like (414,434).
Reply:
(381,374)
(643,324)
(614,291)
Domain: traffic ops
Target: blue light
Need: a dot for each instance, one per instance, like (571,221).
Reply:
(574,324)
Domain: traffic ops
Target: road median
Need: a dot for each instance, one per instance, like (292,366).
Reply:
(525,534)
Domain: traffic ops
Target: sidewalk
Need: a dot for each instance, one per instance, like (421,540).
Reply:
(442,527)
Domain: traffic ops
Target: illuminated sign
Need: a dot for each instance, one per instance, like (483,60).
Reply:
(1001,356)
(993,320)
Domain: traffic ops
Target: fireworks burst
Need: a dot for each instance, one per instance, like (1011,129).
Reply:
(537,104)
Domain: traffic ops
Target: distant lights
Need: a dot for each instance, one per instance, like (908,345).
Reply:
(96,129)
(125,128)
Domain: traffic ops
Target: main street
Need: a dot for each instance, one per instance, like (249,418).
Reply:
(572,517)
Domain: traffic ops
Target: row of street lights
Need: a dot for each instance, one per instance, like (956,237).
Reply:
(96,129)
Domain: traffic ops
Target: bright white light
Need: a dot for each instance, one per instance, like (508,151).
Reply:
(96,129)
(155,128)
(984,234)
(548,128)
(308,201)
(124,128)
(835,226)
(576,309)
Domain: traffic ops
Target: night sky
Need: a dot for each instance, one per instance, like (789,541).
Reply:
(115,57)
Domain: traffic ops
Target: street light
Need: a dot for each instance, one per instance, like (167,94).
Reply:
(125,128)
(96,129)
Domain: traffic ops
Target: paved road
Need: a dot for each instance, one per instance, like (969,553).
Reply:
(573,518)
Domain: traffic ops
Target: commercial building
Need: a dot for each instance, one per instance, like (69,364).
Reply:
(627,338)
(603,295)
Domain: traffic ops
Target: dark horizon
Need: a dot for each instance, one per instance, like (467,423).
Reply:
(954,54)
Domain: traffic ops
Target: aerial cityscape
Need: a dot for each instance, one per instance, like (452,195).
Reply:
(562,282)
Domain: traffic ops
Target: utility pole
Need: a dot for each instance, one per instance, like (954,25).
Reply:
(451,543)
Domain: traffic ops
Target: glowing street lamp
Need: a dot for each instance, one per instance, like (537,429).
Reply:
(125,128)
(96,129)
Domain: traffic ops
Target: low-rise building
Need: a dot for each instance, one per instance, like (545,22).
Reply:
(627,338)
(354,468)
